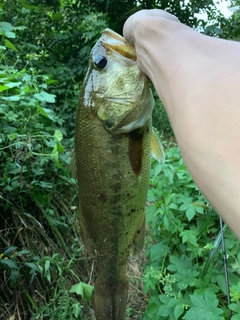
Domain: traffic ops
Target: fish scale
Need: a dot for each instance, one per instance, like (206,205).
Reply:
(112,157)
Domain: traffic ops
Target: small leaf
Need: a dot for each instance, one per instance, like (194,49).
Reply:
(10,34)
(44,96)
(9,263)
(48,113)
(184,206)
(10,249)
(58,135)
(10,45)
(235,307)
(23,252)
(157,251)
(47,265)
(29,7)
(12,98)
(190,213)
(14,84)
(33,266)
(76,308)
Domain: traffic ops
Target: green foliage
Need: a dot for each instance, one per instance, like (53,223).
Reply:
(119,11)
(184,276)
(18,263)
(38,264)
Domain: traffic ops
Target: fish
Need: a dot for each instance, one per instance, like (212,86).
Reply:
(113,135)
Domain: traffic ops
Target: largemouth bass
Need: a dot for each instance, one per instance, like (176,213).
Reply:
(112,156)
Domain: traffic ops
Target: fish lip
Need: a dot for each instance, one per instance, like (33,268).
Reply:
(120,100)
(114,41)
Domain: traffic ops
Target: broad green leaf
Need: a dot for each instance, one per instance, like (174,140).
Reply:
(6,26)
(173,206)
(184,206)
(178,310)
(10,45)
(10,249)
(32,266)
(56,16)
(9,263)
(157,251)
(153,307)
(55,153)
(29,6)
(76,309)
(190,213)
(48,113)
(158,169)
(44,96)
(205,308)
(10,34)
(188,235)
(84,289)
(20,28)
(51,81)
(60,148)
(235,307)
(186,278)
(3,88)
(58,135)
(31,46)
(47,265)
(14,84)
(23,252)
(12,98)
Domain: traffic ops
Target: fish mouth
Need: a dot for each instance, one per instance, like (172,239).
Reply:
(114,41)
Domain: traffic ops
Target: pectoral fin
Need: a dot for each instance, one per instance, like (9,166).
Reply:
(157,148)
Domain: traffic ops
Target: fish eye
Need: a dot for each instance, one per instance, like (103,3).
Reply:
(100,62)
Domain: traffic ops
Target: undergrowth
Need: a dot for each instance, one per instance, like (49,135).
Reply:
(41,256)
(184,276)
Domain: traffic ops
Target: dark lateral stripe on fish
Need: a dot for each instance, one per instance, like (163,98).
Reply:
(136,150)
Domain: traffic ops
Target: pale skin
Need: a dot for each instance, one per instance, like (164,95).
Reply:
(198,80)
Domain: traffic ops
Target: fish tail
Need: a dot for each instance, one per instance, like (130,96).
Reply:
(111,301)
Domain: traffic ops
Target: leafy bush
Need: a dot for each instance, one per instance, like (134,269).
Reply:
(39,238)
(185,273)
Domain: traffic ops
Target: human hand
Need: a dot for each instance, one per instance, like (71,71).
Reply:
(133,24)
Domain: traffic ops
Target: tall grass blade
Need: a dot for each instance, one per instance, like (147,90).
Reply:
(225,269)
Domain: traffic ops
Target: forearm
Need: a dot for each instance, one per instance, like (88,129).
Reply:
(197,78)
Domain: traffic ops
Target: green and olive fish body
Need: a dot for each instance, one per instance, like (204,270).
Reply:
(112,158)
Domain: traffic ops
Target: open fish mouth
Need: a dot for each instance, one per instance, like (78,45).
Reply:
(116,42)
